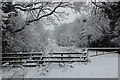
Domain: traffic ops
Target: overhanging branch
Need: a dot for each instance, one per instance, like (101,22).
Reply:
(37,19)
(45,14)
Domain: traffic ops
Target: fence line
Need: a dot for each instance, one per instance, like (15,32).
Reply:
(19,59)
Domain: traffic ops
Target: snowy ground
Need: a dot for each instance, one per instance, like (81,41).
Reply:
(100,67)
(104,66)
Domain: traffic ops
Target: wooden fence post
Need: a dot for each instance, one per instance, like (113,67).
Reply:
(61,57)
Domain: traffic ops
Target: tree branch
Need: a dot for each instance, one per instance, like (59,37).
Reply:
(97,5)
(18,30)
(45,14)
(40,10)
(27,9)
(28,5)
(28,22)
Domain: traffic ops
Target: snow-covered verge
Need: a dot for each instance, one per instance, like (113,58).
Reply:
(104,66)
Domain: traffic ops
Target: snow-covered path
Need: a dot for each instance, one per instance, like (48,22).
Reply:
(53,47)
(104,66)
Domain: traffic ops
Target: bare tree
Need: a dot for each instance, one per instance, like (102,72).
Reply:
(37,11)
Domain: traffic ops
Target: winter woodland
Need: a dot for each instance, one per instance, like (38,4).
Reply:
(50,27)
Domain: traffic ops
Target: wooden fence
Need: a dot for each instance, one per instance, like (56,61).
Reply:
(21,59)
(103,50)
(26,59)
